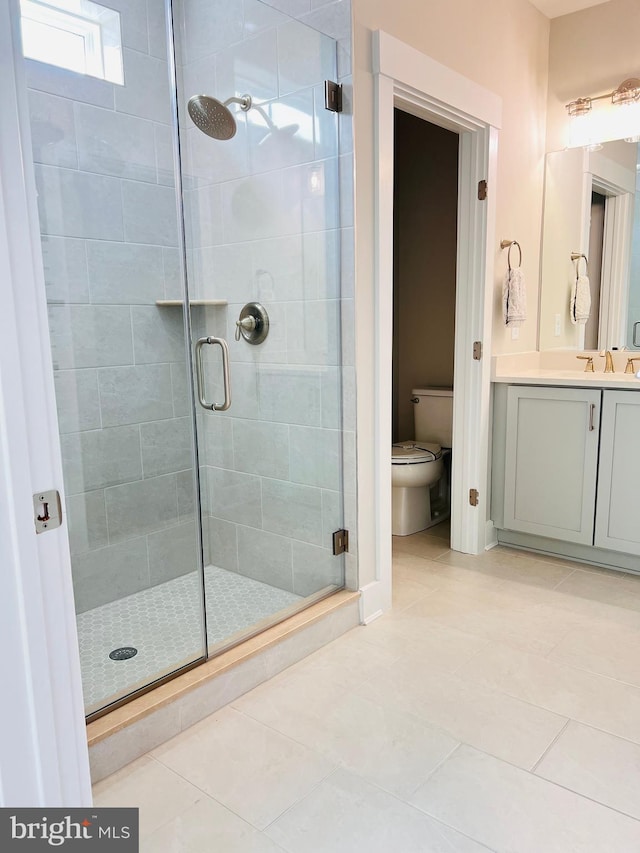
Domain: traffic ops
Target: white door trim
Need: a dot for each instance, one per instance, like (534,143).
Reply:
(406,78)
(43,747)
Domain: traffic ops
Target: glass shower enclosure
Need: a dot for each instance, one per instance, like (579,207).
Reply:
(192,268)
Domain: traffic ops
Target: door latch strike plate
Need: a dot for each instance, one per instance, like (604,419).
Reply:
(483,190)
(340,542)
(477,350)
(474,497)
(47,510)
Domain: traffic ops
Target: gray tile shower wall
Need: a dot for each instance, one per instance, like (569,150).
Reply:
(104,171)
(266,221)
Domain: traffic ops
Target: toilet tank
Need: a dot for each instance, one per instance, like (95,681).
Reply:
(433,415)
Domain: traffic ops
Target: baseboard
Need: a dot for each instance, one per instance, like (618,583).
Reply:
(375,599)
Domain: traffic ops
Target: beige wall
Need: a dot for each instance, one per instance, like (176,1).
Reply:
(425,211)
(590,53)
(503,46)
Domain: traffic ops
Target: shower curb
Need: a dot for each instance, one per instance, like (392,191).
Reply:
(134,729)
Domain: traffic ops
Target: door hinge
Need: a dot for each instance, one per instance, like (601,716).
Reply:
(333,96)
(474,497)
(483,189)
(477,350)
(340,542)
(47,510)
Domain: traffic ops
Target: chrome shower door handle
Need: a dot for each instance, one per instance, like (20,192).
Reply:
(636,342)
(215,407)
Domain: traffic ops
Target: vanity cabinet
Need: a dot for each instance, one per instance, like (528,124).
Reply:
(567,471)
(618,504)
(551,461)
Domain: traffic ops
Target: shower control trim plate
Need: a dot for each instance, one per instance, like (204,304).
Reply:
(47,510)
(253,323)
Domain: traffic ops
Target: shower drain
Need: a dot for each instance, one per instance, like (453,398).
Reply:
(123,653)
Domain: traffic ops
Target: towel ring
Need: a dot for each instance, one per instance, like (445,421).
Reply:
(509,244)
(575,256)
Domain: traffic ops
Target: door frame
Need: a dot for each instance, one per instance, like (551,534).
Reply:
(43,745)
(417,84)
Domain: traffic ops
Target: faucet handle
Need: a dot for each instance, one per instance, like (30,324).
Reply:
(630,368)
(588,368)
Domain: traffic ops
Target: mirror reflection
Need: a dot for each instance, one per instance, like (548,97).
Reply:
(591,209)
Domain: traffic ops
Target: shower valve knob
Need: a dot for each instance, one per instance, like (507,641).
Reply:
(247,323)
(253,323)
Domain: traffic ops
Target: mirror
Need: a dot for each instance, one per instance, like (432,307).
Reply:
(591,208)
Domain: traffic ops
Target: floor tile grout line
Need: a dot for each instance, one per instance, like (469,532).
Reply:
(545,752)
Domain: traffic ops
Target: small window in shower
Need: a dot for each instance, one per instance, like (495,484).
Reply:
(78,35)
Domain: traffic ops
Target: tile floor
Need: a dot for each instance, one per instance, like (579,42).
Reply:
(148,619)
(496,707)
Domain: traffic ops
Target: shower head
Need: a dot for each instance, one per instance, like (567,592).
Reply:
(213,117)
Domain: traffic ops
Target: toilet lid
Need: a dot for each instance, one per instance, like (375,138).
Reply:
(408,452)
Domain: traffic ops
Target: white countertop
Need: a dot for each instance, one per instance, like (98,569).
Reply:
(557,368)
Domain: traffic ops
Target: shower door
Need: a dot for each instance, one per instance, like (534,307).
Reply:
(154,238)
(103,127)
(262,217)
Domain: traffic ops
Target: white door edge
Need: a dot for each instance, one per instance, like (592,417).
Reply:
(43,746)
(406,78)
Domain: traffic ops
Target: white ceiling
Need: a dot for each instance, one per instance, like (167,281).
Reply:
(555,8)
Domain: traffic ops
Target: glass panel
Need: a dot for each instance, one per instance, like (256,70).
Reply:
(262,225)
(110,239)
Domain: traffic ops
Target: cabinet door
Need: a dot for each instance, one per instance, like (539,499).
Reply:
(618,510)
(551,461)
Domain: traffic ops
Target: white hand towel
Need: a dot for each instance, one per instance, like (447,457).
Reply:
(514,298)
(580,304)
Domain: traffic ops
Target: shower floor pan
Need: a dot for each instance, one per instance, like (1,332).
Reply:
(163,624)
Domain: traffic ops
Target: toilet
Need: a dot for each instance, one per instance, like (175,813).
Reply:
(419,475)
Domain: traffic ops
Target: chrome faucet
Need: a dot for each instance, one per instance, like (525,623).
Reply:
(608,361)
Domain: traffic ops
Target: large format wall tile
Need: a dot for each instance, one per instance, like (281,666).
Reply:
(99,458)
(146,91)
(65,269)
(90,335)
(158,334)
(53,132)
(305,57)
(235,497)
(143,507)
(112,143)
(149,214)
(211,25)
(265,557)
(77,400)
(292,510)
(261,448)
(78,204)
(68,84)
(110,574)
(135,394)
(87,522)
(316,457)
(289,394)
(125,273)
(167,446)
(173,552)
(315,568)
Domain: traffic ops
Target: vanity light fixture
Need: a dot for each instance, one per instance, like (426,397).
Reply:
(590,127)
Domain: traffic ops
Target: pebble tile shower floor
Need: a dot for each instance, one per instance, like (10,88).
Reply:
(163,624)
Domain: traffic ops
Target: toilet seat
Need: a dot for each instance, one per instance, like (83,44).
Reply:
(411,452)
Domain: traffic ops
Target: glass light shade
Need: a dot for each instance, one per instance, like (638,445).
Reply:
(604,123)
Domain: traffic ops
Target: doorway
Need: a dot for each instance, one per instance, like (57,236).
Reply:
(425,210)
